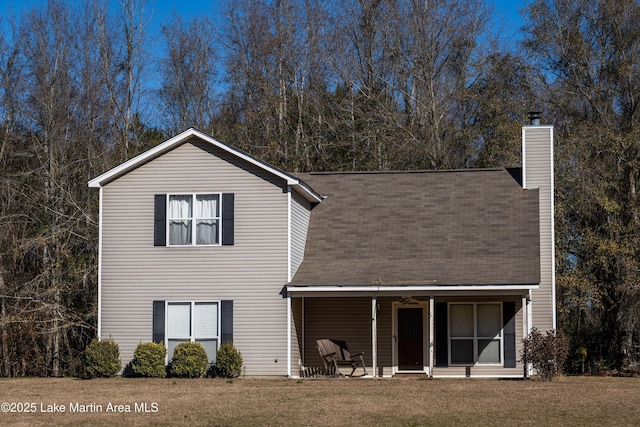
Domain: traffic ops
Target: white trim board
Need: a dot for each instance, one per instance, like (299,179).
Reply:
(169,144)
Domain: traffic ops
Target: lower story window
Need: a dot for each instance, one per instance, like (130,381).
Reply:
(475,333)
(195,322)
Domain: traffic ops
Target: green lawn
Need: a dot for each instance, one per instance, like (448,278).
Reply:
(567,401)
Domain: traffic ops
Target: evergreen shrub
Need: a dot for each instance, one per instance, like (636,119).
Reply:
(189,360)
(102,358)
(228,362)
(148,360)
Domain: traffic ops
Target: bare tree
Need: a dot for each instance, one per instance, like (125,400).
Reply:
(439,49)
(405,67)
(277,78)
(54,147)
(495,107)
(123,68)
(189,75)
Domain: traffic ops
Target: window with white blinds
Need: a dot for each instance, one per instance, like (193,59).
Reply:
(194,322)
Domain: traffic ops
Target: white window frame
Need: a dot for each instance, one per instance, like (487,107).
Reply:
(194,219)
(191,337)
(475,338)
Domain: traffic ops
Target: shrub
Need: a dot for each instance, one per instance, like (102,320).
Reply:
(148,360)
(547,353)
(103,358)
(189,360)
(228,362)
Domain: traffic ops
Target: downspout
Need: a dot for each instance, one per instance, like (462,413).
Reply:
(99,331)
(289,281)
(529,327)
(289,277)
(525,326)
(302,340)
(288,335)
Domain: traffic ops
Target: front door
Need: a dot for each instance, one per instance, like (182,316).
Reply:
(410,339)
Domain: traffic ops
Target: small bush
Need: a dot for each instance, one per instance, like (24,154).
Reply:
(103,358)
(547,353)
(189,360)
(148,360)
(228,362)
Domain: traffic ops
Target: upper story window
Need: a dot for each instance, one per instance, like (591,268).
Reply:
(194,219)
(190,219)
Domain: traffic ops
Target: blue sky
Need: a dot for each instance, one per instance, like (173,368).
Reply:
(507,14)
(510,10)
(162,9)
(505,10)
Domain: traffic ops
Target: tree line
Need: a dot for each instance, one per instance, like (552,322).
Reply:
(307,85)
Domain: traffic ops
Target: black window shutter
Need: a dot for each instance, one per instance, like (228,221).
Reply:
(509,330)
(226,317)
(227,218)
(158,321)
(160,220)
(442,338)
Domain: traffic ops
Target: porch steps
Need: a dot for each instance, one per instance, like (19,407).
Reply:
(410,375)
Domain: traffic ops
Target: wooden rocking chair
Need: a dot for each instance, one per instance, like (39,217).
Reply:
(334,354)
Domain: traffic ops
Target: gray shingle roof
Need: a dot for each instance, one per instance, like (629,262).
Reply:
(465,227)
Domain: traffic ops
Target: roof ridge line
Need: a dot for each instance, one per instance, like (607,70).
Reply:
(399,172)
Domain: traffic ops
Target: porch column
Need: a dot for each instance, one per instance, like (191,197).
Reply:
(526,326)
(288,335)
(374,335)
(432,306)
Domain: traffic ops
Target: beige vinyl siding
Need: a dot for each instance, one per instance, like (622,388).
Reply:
(252,272)
(538,171)
(300,213)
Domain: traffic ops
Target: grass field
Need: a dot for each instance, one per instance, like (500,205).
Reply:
(329,402)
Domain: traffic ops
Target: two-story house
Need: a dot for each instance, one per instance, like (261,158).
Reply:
(435,272)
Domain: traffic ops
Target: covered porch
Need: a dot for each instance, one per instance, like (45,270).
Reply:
(427,272)
(461,331)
